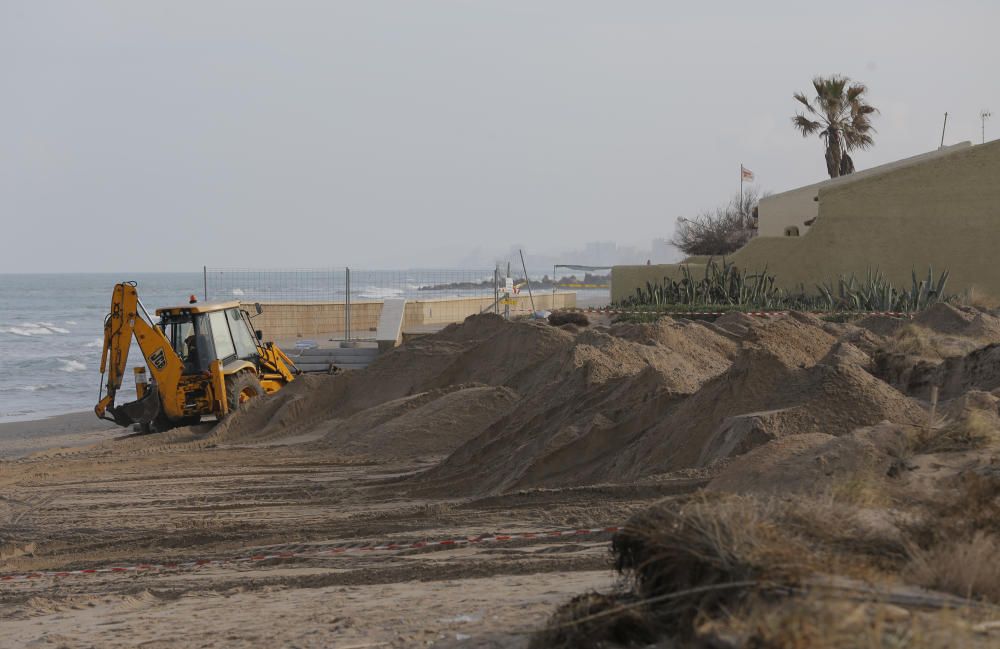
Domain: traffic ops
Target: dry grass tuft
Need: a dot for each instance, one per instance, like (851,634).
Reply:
(813,623)
(683,558)
(973,429)
(861,489)
(699,549)
(852,543)
(974,506)
(914,346)
(980,300)
(742,571)
(968,569)
(912,340)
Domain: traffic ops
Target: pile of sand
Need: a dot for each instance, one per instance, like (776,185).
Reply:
(977,370)
(541,390)
(427,424)
(966,322)
(526,404)
(945,346)
(815,463)
(485,350)
(790,377)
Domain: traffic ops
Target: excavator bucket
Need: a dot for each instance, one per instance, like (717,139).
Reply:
(140,411)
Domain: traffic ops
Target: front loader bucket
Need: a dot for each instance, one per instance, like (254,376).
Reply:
(141,411)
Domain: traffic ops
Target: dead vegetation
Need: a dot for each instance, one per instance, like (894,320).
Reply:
(971,430)
(736,571)
(967,568)
(812,622)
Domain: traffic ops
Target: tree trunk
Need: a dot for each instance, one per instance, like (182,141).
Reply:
(846,165)
(833,153)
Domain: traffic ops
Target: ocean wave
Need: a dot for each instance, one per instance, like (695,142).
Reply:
(238,291)
(69,365)
(376,292)
(72,323)
(29,329)
(96,343)
(35,388)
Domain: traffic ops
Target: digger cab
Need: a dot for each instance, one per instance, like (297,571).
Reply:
(202,333)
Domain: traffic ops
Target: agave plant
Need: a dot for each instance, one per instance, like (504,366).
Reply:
(725,285)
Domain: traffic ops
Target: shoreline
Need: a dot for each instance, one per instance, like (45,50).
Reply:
(22,438)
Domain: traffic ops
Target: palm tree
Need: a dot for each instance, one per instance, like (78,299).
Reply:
(841,117)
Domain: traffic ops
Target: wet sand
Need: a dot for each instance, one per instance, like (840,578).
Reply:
(22,438)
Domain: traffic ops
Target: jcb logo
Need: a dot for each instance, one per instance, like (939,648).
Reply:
(158,359)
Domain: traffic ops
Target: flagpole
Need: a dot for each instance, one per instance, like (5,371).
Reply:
(741,190)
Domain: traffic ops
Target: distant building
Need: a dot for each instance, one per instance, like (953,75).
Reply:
(597,253)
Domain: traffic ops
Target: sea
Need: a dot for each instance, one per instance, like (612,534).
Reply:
(51,336)
(52,325)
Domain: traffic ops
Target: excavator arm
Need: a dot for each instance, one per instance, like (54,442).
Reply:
(123,322)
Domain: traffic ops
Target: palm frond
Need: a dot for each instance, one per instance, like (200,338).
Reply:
(806,126)
(858,141)
(801,98)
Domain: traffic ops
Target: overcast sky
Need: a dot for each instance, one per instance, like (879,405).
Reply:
(168,135)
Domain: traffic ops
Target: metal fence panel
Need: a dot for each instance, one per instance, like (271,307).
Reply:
(345,303)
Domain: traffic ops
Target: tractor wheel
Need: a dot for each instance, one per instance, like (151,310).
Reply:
(240,388)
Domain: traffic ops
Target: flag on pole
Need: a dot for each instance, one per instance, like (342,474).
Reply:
(746,174)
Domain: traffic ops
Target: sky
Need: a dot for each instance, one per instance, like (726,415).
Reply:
(164,136)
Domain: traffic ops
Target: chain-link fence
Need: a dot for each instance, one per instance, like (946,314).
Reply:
(333,304)
(345,303)
(336,284)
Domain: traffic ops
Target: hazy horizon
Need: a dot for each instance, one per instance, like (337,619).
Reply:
(163,136)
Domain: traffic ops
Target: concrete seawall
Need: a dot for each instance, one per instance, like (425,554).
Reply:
(288,320)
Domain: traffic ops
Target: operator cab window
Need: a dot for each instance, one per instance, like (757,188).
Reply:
(180,332)
(246,346)
(224,348)
(189,338)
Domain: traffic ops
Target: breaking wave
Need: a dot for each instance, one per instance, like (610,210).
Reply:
(375,292)
(35,388)
(29,329)
(69,365)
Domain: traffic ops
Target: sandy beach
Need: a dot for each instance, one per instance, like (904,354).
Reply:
(178,497)
(21,438)
(464,490)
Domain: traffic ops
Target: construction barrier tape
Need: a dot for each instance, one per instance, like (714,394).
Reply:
(307,554)
(759,314)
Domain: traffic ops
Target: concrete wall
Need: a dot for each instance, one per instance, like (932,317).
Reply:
(942,212)
(793,208)
(290,320)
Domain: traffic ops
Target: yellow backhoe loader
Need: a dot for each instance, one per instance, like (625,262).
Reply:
(203,360)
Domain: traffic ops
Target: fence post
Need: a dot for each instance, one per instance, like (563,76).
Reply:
(347,305)
(204,278)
